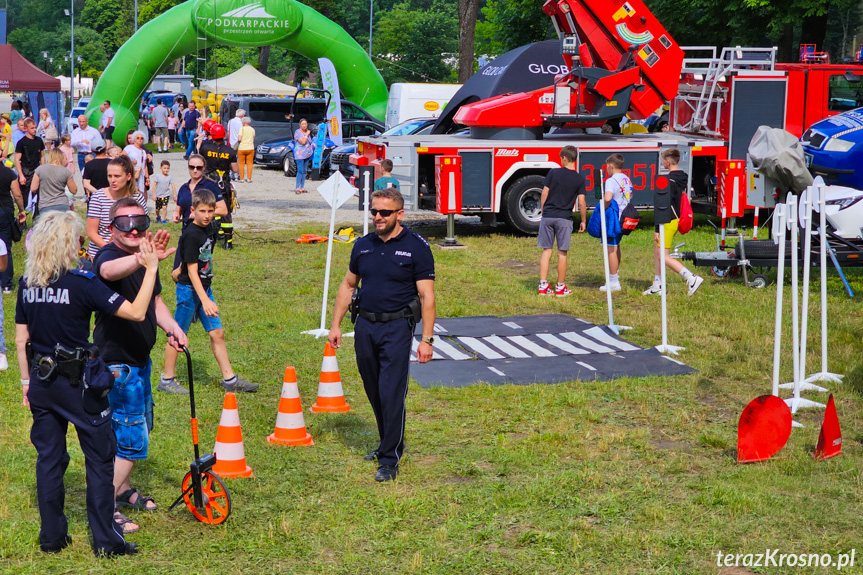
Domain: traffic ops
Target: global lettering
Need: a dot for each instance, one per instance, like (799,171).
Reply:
(46,295)
(249,23)
(549,69)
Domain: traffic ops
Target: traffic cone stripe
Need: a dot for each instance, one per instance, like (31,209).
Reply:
(229,435)
(230,455)
(290,425)
(286,420)
(290,405)
(330,364)
(330,389)
(330,401)
(230,418)
(330,377)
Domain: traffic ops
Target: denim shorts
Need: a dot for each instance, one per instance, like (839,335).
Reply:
(131,402)
(189,306)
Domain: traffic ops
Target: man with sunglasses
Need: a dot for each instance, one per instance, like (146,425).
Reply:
(126,345)
(394,269)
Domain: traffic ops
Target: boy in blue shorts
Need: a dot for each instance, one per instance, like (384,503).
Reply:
(195,296)
(619,188)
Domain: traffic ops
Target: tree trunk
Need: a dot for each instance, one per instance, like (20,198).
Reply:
(814,29)
(786,45)
(467,13)
(264,59)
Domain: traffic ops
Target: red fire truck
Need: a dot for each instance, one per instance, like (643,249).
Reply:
(620,60)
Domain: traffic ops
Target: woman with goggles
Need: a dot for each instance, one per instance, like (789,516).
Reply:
(121,184)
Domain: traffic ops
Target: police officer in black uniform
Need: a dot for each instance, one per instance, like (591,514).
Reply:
(221,159)
(52,317)
(395,270)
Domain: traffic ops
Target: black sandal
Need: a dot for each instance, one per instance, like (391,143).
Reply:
(123,500)
(122,521)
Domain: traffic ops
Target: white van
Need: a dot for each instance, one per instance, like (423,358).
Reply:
(408,101)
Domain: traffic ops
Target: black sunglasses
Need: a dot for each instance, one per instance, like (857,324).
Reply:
(138,222)
(191,167)
(383,213)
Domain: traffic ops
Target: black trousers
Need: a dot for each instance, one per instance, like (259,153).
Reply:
(7,220)
(383,357)
(54,405)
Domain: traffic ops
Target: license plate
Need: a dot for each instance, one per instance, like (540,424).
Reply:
(808,158)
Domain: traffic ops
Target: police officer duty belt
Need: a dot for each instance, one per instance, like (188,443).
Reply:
(388,316)
(63,362)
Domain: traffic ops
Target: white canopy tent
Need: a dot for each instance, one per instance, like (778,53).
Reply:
(247,80)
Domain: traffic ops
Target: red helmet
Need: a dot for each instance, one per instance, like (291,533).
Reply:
(217,131)
(208,124)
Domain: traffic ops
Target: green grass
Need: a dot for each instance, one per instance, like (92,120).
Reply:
(622,477)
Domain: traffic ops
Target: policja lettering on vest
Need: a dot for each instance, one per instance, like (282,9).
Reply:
(47,295)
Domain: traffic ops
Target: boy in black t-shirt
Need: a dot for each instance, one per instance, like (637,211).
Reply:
(28,155)
(195,296)
(562,189)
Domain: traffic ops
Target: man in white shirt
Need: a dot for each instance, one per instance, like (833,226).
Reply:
(234,127)
(160,123)
(106,122)
(81,138)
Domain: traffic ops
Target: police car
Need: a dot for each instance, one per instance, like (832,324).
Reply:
(833,148)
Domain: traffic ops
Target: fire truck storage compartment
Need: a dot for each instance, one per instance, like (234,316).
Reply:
(476,179)
(754,102)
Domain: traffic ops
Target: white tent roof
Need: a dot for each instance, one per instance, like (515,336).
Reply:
(247,80)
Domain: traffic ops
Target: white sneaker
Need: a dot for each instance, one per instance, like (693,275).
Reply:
(615,286)
(4,362)
(694,283)
(655,289)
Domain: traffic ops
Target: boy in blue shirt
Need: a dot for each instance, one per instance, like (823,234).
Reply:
(387,180)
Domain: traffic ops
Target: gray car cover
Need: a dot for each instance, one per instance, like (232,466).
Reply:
(778,155)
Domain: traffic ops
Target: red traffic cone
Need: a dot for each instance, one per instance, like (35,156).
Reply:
(290,425)
(331,396)
(230,455)
(764,428)
(830,438)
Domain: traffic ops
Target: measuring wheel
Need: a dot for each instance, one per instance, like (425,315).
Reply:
(759,281)
(215,498)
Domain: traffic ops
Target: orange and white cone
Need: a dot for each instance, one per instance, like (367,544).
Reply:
(290,425)
(230,455)
(331,397)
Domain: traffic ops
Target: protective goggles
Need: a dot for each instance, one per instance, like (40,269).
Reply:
(138,222)
(383,213)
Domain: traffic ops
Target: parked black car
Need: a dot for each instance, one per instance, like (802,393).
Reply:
(279,153)
(340,156)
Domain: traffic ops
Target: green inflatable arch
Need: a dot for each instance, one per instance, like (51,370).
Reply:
(196,24)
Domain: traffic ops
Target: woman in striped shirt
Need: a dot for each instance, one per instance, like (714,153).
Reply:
(121,184)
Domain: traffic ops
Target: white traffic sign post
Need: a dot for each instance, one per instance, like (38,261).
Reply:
(824,374)
(336,191)
(665,348)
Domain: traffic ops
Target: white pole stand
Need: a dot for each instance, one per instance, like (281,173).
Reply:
(804,318)
(823,375)
(779,237)
(601,207)
(665,348)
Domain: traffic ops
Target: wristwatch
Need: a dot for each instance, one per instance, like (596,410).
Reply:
(429,340)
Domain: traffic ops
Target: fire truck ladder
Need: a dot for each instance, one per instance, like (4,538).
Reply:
(706,101)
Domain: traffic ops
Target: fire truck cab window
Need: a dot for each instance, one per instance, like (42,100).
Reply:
(843,95)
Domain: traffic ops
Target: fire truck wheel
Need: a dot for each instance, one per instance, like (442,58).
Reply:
(521,204)
(289,166)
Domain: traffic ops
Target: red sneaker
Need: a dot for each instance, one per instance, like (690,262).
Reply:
(562,291)
(545,289)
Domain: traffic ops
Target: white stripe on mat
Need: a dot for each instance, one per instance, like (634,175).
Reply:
(482,349)
(511,324)
(530,346)
(586,342)
(505,346)
(552,339)
(598,333)
(497,371)
(587,365)
(450,350)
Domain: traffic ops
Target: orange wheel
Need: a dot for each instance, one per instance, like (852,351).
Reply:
(217,500)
